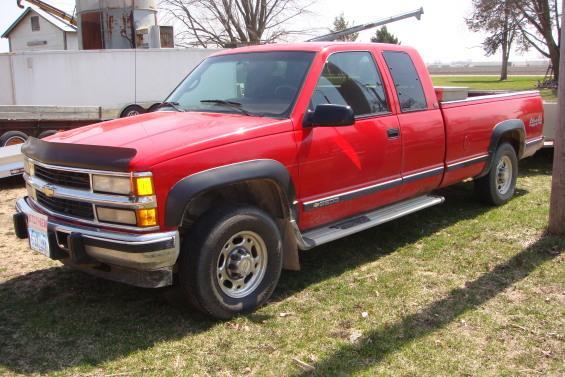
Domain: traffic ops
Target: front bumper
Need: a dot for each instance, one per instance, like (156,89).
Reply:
(144,260)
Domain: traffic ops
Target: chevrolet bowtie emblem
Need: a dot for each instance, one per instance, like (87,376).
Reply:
(48,190)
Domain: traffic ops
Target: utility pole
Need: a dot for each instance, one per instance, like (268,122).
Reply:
(557,206)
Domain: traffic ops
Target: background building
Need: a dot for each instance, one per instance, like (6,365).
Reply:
(36,29)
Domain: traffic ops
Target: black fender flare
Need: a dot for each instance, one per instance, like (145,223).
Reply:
(499,130)
(190,187)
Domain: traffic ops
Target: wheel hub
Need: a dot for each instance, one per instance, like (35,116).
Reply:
(504,175)
(240,263)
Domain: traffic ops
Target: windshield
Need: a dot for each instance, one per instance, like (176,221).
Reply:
(260,83)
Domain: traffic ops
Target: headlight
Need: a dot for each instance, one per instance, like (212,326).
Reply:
(142,217)
(141,186)
(119,216)
(110,184)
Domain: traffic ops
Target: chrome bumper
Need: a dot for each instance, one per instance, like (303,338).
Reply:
(128,253)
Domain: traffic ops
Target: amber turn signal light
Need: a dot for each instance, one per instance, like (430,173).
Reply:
(147,217)
(144,186)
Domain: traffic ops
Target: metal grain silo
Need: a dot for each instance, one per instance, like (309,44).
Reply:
(109,24)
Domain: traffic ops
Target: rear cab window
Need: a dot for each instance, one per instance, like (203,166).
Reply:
(351,78)
(406,81)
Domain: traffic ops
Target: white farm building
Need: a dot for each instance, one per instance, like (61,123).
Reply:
(36,29)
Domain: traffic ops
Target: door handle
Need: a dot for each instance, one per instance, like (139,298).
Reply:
(393,133)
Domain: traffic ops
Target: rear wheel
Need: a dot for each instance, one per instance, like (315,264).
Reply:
(12,138)
(499,185)
(231,261)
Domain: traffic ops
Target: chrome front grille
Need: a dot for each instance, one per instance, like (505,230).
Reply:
(66,207)
(66,192)
(63,178)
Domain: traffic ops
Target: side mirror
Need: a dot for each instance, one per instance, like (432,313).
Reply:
(329,115)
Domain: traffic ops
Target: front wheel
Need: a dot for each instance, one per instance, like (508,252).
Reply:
(499,185)
(231,261)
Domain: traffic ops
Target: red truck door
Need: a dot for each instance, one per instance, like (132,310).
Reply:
(349,169)
(421,123)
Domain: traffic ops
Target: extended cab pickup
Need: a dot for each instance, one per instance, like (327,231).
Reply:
(260,152)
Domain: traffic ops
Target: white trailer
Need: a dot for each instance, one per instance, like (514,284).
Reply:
(116,82)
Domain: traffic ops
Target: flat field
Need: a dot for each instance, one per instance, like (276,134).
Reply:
(493,83)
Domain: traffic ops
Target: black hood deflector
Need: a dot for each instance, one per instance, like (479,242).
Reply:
(83,156)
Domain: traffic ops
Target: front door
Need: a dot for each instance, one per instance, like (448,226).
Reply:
(349,169)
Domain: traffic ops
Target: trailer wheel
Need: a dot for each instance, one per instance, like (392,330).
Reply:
(12,138)
(44,134)
(499,185)
(154,107)
(231,261)
(132,110)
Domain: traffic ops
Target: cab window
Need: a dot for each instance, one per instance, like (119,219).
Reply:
(351,78)
(406,80)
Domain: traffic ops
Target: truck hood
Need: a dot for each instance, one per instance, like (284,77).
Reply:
(159,136)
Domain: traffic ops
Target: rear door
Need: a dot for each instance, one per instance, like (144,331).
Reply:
(421,124)
(349,169)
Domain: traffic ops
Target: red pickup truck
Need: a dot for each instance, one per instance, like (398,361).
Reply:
(259,153)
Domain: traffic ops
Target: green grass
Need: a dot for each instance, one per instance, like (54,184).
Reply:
(458,289)
(493,83)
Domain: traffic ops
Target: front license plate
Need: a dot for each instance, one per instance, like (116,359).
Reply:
(37,230)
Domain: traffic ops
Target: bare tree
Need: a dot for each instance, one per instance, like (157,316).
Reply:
(557,208)
(499,18)
(230,23)
(539,22)
(340,24)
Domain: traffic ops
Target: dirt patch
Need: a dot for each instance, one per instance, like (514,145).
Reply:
(15,256)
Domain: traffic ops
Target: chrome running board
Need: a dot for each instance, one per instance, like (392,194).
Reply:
(352,225)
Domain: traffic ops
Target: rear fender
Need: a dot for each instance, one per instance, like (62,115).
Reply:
(511,129)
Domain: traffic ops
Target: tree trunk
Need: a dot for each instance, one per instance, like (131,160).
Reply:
(505,45)
(555,61)
(504,69)
(557,207)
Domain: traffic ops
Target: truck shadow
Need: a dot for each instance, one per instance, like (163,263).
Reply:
(8,183)
(539,164)
(57,318)
(380,342)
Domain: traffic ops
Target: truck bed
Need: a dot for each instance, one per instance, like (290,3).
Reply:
(469,125)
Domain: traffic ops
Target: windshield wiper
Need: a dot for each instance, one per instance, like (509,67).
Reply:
(232,104)
(174,105)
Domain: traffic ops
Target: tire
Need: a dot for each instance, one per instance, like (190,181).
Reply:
(218,255)
(47,133)
(154,107)
(499,185)
(132,110)
(12,138)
